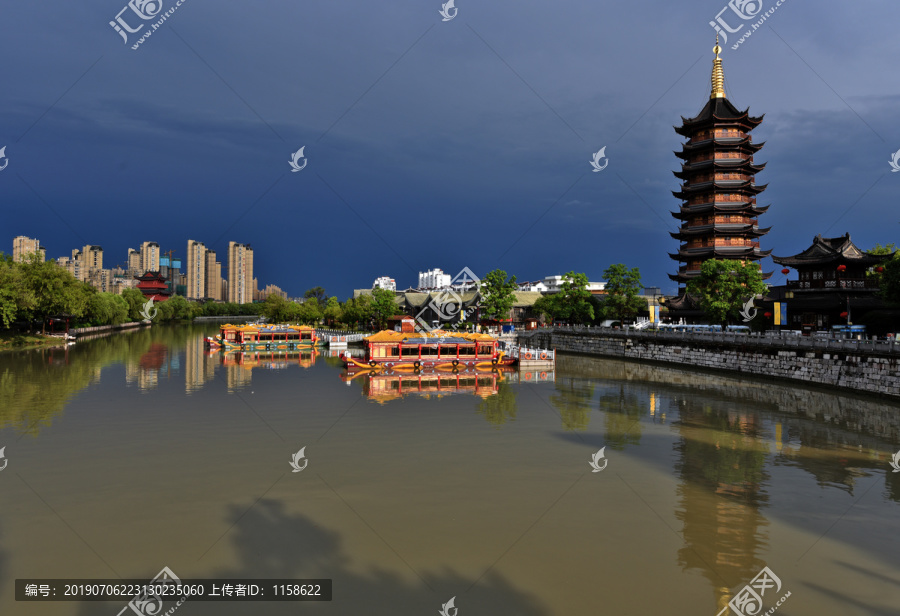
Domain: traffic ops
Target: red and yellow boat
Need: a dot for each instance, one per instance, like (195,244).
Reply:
(435,350)
(253,337)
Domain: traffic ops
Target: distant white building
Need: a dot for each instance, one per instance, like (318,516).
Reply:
(553,284)
(533,287)
(386,283)
(434,279)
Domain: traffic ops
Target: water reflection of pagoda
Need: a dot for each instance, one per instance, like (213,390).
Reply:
(146,371)
(719,215)
(721,464)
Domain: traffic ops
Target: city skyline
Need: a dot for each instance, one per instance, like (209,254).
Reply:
(485,124)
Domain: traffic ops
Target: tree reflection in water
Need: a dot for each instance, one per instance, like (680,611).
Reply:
(271,542)
(623,410)
(499,408)
(573,401)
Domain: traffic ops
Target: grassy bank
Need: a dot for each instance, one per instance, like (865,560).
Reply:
(10,341)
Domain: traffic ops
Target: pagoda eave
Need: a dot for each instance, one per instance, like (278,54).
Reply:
(737,252)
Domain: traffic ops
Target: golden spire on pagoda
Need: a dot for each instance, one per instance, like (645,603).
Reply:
(718,75)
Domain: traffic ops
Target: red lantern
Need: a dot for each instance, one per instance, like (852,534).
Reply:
(879,269)
(845,314)
(785,271)
(768,315)
(841,268)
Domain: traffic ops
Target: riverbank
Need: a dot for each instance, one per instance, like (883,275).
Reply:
(18,342)
(864,367)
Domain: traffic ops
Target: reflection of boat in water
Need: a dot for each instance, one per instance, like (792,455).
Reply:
(417,351)
(389,385)
(253,337)
(272,360)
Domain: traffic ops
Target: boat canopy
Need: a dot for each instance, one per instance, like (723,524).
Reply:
(434,337)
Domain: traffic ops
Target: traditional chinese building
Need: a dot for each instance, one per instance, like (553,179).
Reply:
(154,286)
(718,214)
(832,285)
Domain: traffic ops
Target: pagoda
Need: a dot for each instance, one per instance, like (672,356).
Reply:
(153,286)
(718,214)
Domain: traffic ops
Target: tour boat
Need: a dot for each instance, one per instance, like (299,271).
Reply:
(255,337)
(436,350)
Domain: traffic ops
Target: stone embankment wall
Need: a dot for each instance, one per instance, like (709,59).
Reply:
(80,332)
(848,364)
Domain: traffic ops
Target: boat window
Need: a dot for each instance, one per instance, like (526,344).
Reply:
(485,349)
(428,350)
(467,350)
(448,351)
(395,352)
(306,336)
(410,351)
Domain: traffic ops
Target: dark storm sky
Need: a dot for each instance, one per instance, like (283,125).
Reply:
(431,143)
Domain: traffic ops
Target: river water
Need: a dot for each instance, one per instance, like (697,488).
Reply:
(140,451)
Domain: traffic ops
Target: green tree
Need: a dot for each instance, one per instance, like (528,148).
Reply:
(55,290)
(384,305)
(887,249)
(318,293)
(546,307)
(309,312)
(723,287)
(135,300)
(333,312)
(623,287)
(16,299)
(574,300)
(277,309)
(178,308)
(358,311)
(497,294)
(106,309)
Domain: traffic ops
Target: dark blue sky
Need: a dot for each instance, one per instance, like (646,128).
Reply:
(430,143)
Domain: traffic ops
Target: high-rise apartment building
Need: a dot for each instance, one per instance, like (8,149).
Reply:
(72,264)
(24,246)
(213,289)
(149,257)
(240,273)
(271,290)
(196,270)
(134,262)
(91,262)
